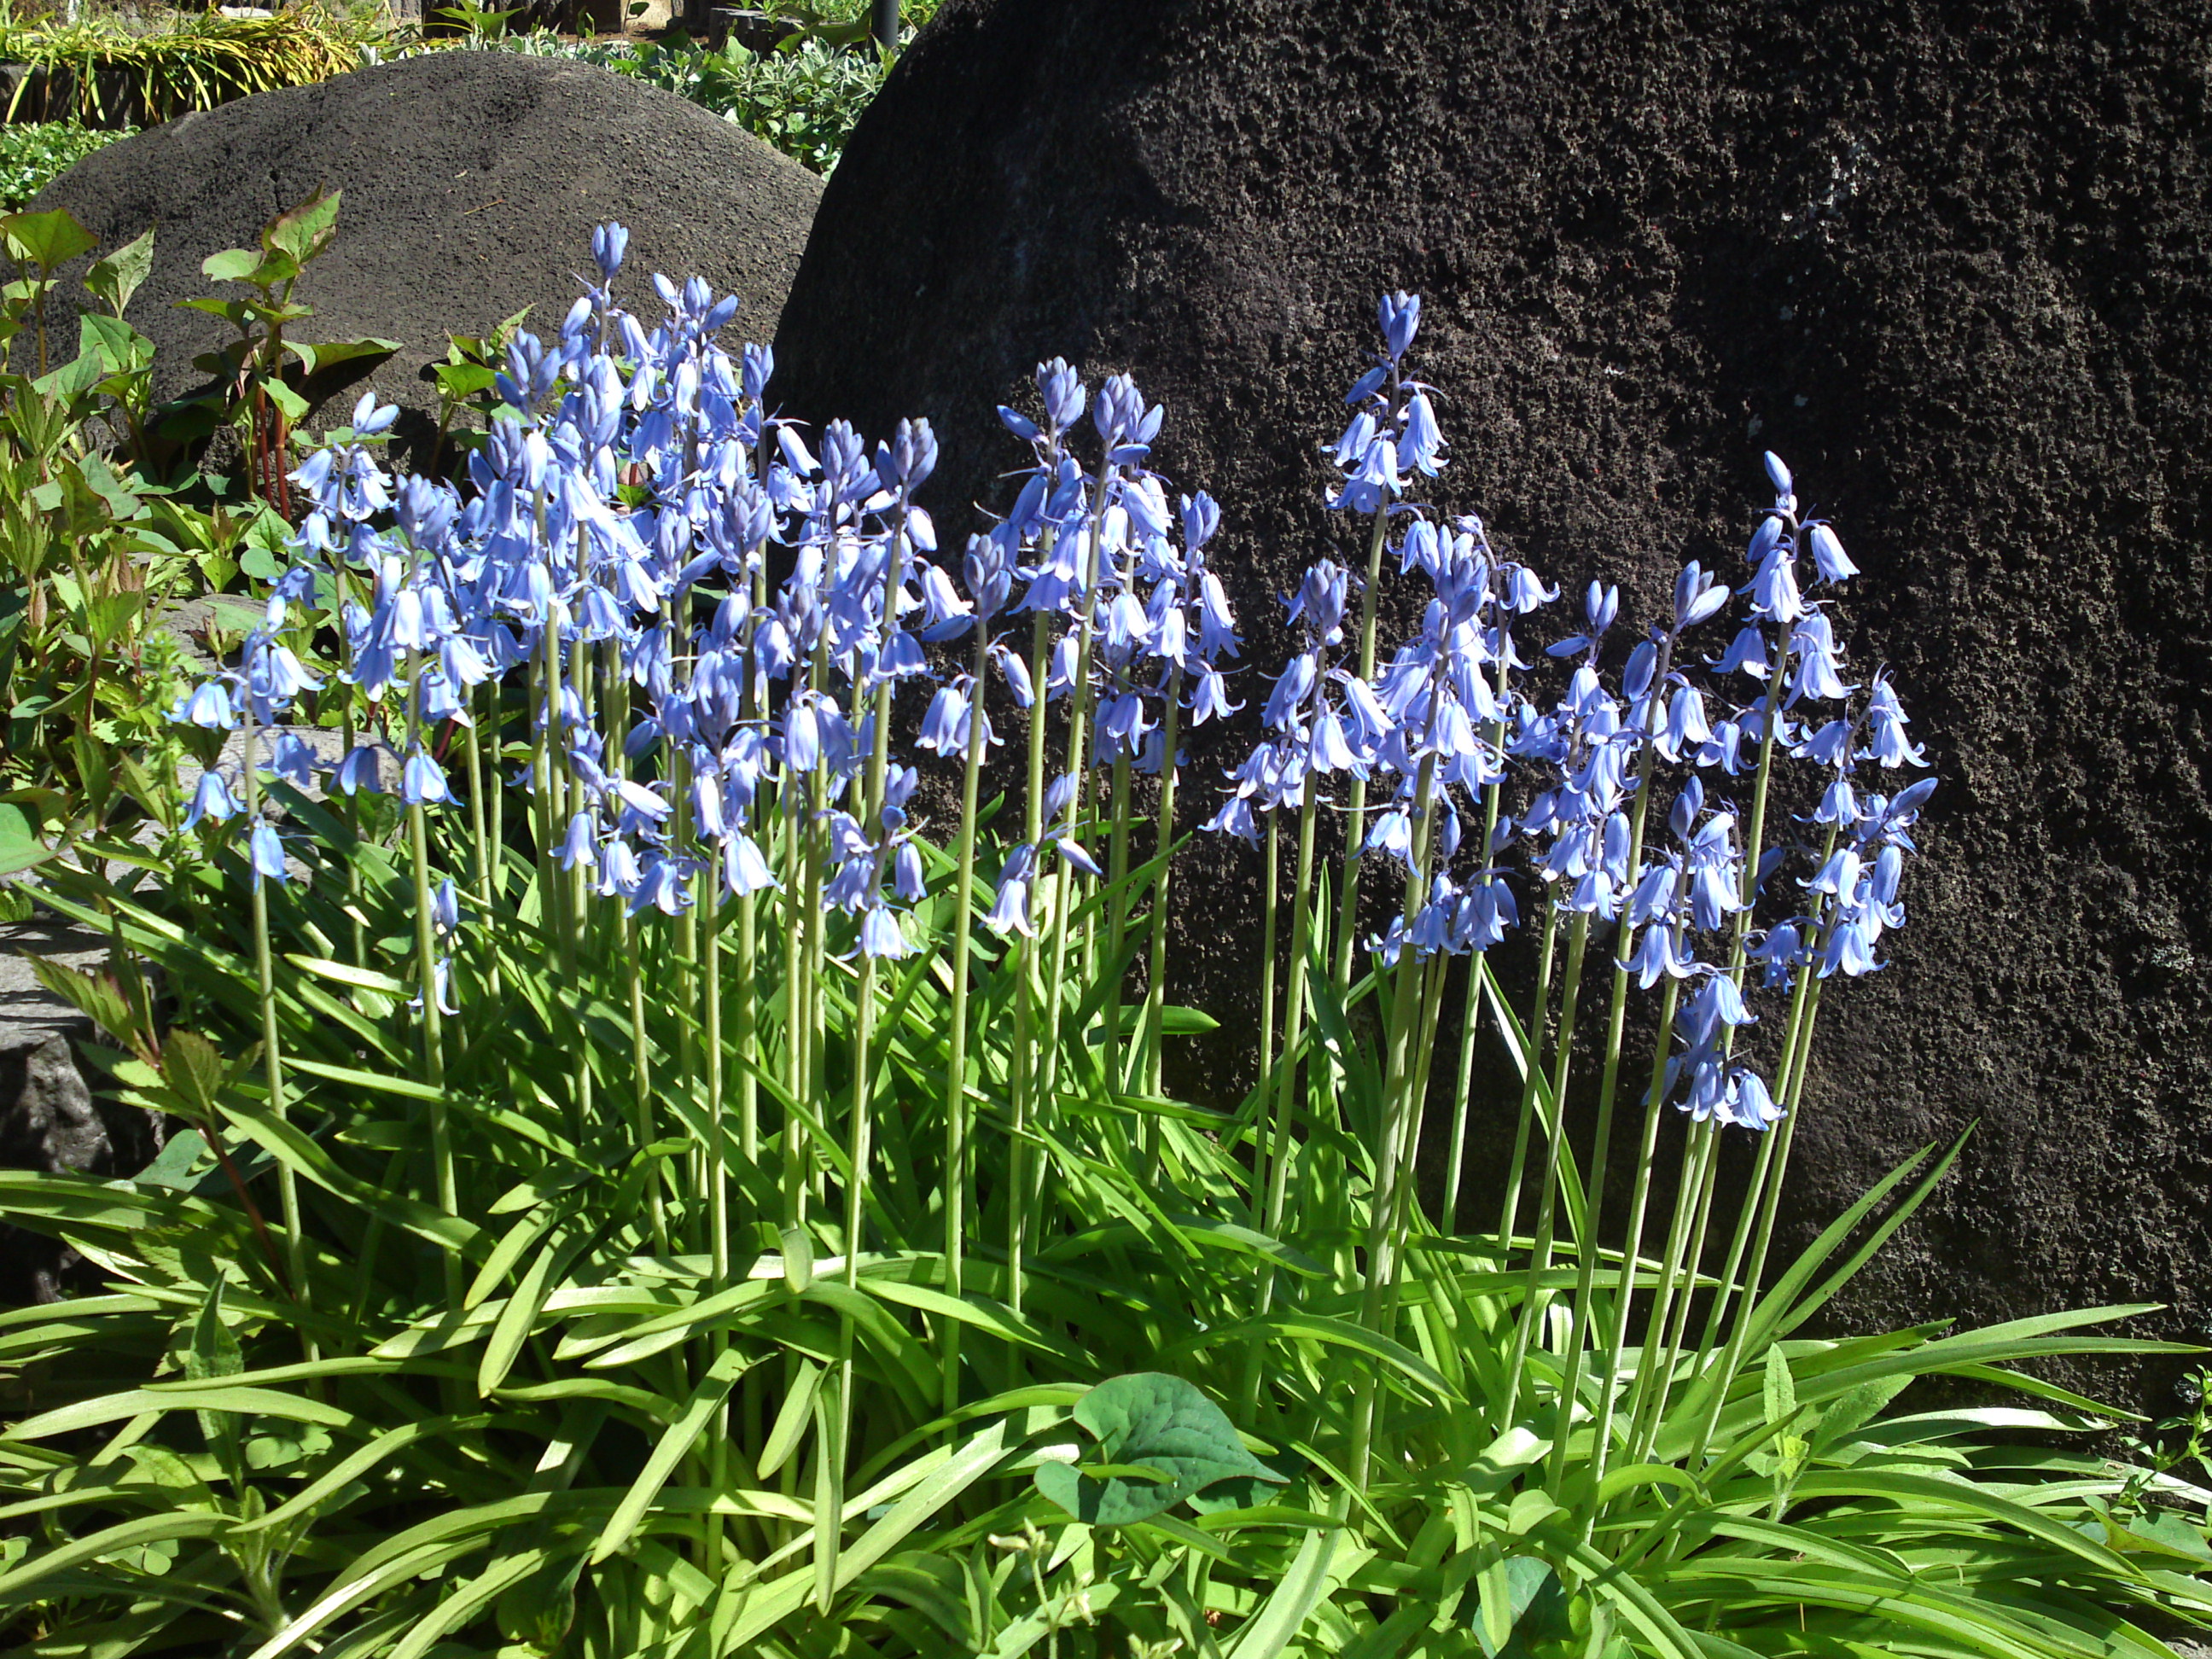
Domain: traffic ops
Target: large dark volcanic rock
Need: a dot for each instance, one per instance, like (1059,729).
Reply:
(1953,263)
(472,182)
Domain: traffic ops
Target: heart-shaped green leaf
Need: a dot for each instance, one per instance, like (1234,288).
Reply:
(117,276)
(1518,1603)
(1160,1441)
(47,239)
(234,264)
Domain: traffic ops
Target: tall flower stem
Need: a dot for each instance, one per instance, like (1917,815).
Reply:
(691,994)
(1024,956)
(1270,880)
(1273,1159)
(1400,1078)
(707,897)
(955,1180)
(479,826)
(1633,1238)
(1470,1029)
(1156,978)
(1355,808)
(1532,1068)
(1470,1023)
(1533,1302)
(1771,718)
(1432,974)
(543,710)
(1586,1250)
(804,1174)
(640,1076)
(1029,1194)
(494,788)
(748,1022)
(1295,998)
(348,735)
(1677,1276)
(1739,1245)
(1796,1037)
(860,1150)
(1064,884)
(1767,1200)
(1117,920)
(797,883)
(1746,896)
(426,970)
(747,1039)
(272,1049)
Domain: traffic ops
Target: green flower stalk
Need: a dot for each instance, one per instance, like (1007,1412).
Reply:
(272,1050)
(1355,806)
(956,1095)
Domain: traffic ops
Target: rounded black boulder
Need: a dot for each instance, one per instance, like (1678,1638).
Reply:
(1955,264)
(472,181)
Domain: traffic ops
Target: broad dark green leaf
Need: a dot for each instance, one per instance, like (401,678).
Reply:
(1160,1440)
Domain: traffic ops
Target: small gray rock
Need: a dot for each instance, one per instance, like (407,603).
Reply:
(50,1120)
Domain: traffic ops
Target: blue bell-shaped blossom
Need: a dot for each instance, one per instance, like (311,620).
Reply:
(1009,905)
(1399,314)
(212,799)
(422,782)
(265,853)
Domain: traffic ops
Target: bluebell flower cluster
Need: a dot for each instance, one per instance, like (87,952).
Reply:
(611,548)
(700,735)
(1447,717)
(1133,618)
(1430,724)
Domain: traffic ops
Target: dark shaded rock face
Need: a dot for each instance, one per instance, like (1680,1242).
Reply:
(50,1119)
(1951,263)
(471,183)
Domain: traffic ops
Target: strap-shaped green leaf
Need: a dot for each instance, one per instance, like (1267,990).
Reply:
(127,1534)
(1314,1574)
(713,1387)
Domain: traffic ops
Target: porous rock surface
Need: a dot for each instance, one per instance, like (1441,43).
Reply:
(1953,263)
(472,181)
(50,1119)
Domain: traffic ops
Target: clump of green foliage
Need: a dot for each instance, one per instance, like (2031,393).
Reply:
(804,99)
(107,526)
(34,154)
(111,72)
(90,551)
(607,1221)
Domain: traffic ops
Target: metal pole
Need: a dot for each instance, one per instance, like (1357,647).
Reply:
(883,23)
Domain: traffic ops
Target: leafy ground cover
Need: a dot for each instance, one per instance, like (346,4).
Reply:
(636,1191)
(32,154)
(803,101)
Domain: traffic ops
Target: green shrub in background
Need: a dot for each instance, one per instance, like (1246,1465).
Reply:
(804,98)
(804,101)
(33,155)
(107,526)
(195,61)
